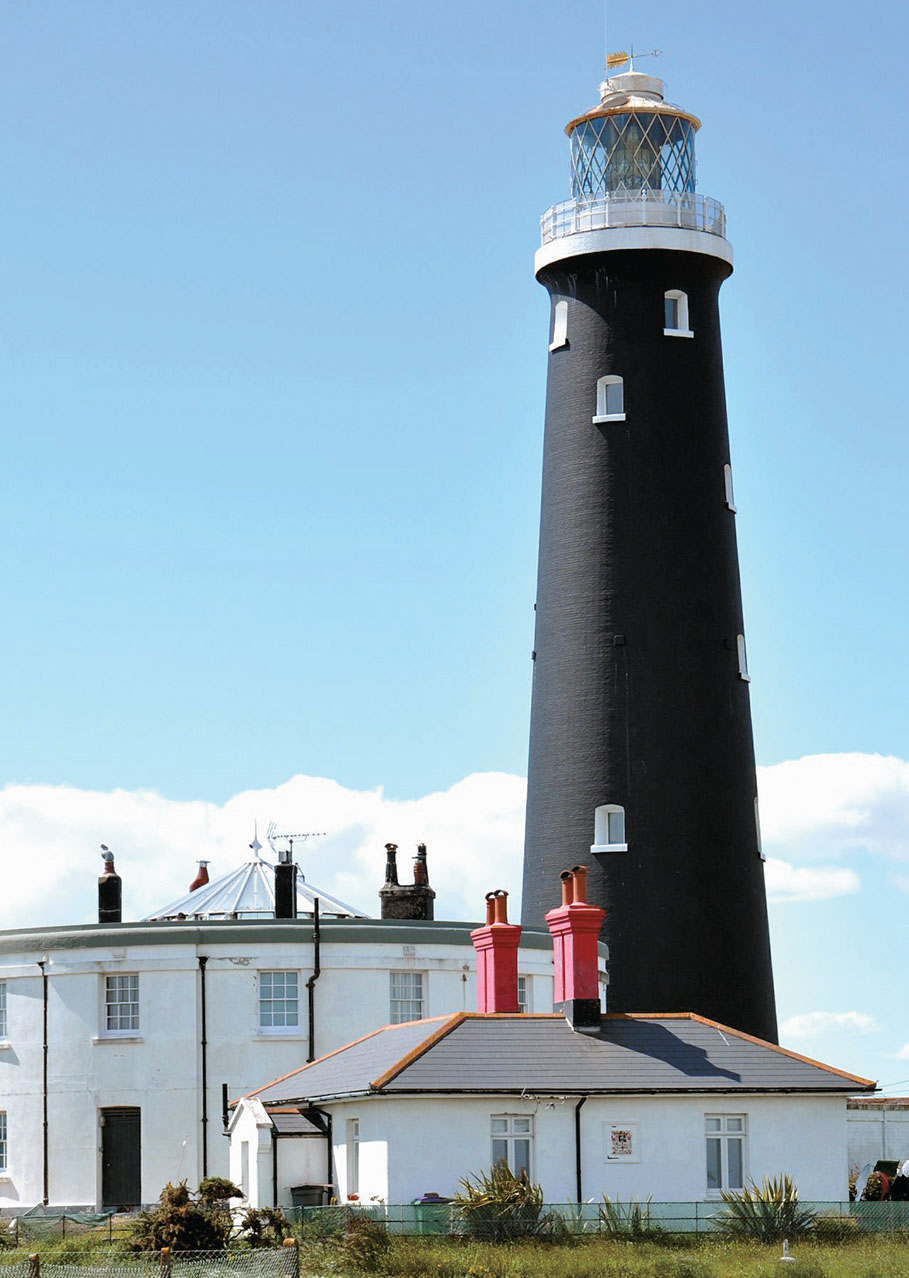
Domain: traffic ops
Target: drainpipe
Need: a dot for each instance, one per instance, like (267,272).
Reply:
(316,973)
(44,1050)
(577,1148)
(203,960)
(274,1166)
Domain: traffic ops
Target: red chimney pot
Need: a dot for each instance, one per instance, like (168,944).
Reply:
(201,877)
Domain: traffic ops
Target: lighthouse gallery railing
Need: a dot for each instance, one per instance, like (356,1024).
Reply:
(647,207)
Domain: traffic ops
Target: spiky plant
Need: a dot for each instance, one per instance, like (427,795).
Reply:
(499,1205)
(626,1220)
(767,1212)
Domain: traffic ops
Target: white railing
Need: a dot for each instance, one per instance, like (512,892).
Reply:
(632,208)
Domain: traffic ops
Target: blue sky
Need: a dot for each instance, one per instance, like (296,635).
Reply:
(273,362)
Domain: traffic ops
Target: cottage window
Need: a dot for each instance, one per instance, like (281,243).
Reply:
(279,1001)
(512,1141)
(522,994)
(610,400)
(3,1159)
(725,1151)
(406,997)
(2,1009)
(353,1156)
(559,326)
(121,1003)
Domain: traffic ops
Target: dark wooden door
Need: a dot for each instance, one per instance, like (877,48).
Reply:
(121,1158)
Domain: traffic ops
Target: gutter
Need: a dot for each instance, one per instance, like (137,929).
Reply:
(577,1148)
(203,960)
(316,973)
(44,1056)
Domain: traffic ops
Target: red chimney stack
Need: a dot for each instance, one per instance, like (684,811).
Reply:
(575,928)
(496,945)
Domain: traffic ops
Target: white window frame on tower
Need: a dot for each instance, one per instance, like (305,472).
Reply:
(610,399)
(609,833)
(680,328)
(742,654)
(727,485)
(559,326)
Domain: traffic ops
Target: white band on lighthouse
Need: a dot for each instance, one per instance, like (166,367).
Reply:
(618,238)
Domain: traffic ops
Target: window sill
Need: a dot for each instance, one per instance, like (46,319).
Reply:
(608,417)
(729,506)
(117,1038)
(745,678)
(5,1044)
(557,346)
(677,332)
(596,848)
(277,1036)
(5,1178)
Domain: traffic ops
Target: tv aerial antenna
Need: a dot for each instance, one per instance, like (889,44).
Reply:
(286,853)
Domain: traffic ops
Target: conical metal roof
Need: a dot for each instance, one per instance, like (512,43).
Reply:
(249,893)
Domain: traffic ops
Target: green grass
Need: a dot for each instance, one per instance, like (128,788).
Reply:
(607,1258)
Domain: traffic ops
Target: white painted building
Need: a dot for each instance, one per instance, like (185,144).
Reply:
(676,1107)
(136,1026)
(878,1130)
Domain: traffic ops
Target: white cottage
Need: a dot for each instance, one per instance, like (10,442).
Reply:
(116,1038)
(672,1106)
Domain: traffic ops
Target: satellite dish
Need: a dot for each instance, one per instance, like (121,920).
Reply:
(862,1182)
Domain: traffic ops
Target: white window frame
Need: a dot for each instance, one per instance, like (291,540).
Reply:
(757,829)
(603,399)
(4,1144)
(524,994)
(742,655)
(727,485)
(605,833)
(401,1004)
(269,1001)
(728,1129)
(352,1173)
(559,326)
(681,300)
(3,1018)
(628,1134)
(113,1016)
(510,1130)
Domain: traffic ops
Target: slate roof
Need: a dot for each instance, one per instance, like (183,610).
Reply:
(293,1123)
(675,1052)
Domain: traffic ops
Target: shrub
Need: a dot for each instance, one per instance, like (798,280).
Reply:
(499,1206)
(366,1242)
(627,1220)
(215,1190)
(265,1227)
(181,1223)
(767,1213)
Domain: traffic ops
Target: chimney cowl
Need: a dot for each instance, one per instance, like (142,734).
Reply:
(201,877)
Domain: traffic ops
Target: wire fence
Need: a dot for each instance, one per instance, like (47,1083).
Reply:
(279,1262)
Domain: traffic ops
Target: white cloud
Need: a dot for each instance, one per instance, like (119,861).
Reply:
(51,837)
(901,1055)
(786,882)
(900,881)
(834,805)
(815,1024)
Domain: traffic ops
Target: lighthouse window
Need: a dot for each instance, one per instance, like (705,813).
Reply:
(727,480)
(675,314)
(609,829)
(559,326)
(743,658)
(610,400)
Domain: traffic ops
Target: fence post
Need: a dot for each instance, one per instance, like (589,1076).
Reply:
(165,1262)
(293,1251)
(34,1265)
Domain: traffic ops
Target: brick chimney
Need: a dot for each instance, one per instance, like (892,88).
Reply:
(406,900)
(110,891)
(575,927)
(496,945)
(201,877)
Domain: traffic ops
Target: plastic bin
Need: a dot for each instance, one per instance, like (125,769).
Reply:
(433,1214)
(310,1195)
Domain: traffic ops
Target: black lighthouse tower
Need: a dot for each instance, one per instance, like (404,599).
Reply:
(641,753)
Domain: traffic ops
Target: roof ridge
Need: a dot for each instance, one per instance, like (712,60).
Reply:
(749,1038)
(453,1020)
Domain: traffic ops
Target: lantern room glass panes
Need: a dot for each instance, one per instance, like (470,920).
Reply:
(634,151)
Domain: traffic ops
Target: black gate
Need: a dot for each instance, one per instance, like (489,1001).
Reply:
(121,1158)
